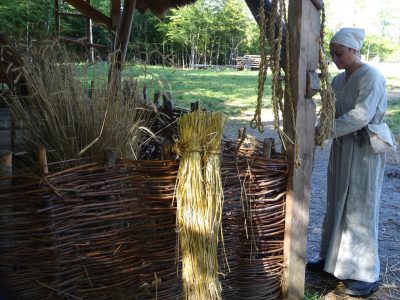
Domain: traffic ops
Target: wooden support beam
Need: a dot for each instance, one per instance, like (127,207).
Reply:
(92,13)
(57,16)
(304,30)
(81,42)
(121,43)
(115,14)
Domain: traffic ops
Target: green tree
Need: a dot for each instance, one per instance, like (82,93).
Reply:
(27,19)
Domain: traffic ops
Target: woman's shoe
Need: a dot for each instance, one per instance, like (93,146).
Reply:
(316,266)
(360,288)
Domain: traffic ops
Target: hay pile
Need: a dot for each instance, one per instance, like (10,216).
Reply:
(71,120)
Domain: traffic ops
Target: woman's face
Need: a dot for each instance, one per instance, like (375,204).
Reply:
(342,56)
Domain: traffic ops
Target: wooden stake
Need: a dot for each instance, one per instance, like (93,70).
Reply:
(241,133)
(157,99)
(267,147)
(109,157)
(145,93)
(166,149)
(168,105)
(5,167)
(194,106)
(43,167)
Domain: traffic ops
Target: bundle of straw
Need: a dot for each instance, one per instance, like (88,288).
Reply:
(199,203)
(68,119)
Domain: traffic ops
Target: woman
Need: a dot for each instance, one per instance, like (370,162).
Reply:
(349,246)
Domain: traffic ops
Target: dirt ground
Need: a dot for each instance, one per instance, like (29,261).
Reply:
(389,226)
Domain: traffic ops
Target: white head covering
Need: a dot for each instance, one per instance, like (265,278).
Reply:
(350,37)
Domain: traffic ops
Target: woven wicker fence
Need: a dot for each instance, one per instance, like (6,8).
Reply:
(95,232)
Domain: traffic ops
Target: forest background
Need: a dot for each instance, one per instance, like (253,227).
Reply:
(212,32)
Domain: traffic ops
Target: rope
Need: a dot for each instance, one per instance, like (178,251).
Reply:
(288,88)
(262,73)
(328,98)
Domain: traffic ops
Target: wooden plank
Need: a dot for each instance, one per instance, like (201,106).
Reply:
(81,42)
(304,25)
(66,14)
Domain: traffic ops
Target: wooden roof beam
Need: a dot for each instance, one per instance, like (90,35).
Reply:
(91,12)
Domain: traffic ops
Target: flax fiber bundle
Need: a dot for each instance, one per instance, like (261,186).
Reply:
(199,203)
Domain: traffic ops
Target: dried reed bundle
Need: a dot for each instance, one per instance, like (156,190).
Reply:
(199,203)
(69,120)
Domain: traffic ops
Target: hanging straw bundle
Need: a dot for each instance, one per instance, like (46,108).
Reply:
(199,203)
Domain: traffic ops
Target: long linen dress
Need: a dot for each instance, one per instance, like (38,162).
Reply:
(350,229)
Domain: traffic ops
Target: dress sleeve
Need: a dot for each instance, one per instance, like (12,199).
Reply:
(371,89)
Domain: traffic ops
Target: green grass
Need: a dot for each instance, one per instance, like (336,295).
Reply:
(311,296)
(233,92)
(393,115)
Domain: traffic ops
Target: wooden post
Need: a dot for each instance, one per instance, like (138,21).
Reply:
(89,35)
(168,105)
(43,167)
(145,93)
(109,157)
(5,167)
(157,99)
(121,42)
(57,17)
(267,147)
(304,31)
(166,149)
(194,106)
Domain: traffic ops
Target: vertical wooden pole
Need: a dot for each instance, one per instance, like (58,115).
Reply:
(43,167)
(304,31)
(5,167)
(157,99)
(57,17)
(89,35)
(267,147)
(168,105)
(145,93)
(121,41)
(109,157)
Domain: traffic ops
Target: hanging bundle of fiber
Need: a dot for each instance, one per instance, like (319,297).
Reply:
(199,203)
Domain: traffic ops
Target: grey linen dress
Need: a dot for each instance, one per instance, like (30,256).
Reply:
(350,229)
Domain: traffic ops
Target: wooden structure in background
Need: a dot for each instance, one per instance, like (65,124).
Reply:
(86,41)
(118,23)
(248,62)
